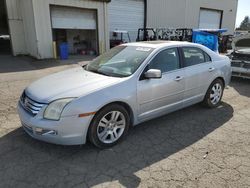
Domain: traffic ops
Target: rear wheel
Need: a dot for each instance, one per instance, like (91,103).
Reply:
(109,126)
(214,94)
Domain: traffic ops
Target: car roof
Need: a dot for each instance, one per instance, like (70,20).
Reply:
(160,44)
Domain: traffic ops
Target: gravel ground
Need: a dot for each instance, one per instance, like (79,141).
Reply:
(193,147)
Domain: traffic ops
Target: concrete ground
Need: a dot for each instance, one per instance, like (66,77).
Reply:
(193,147)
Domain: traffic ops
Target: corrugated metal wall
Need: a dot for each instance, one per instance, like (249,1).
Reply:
(126,15)
(30,22)
(29,27)
(13,7)
(166,13)
(229,8)
(185,13)
(16,27)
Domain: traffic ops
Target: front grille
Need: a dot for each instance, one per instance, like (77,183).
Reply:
(246,65)
(30,105)
(241,64)
(236,64)
(241,57)
(246,75)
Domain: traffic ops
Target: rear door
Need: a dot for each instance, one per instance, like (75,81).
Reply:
(159,96)
(199,72)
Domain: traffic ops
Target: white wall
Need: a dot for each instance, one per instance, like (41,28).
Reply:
(185,13)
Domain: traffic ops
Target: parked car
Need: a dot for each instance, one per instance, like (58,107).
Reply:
(240,57)
(128,85)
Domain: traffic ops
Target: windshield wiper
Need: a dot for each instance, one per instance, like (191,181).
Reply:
(99,72)
(104,73)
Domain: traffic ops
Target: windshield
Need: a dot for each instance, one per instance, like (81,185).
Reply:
(121,61)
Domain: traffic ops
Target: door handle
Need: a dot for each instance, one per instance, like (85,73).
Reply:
(178,78)
(211,69)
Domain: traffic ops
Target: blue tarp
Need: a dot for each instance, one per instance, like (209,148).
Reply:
(207,37)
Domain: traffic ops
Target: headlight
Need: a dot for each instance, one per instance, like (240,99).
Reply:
(54,109)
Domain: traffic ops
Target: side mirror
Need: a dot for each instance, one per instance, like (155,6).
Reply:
(153,74)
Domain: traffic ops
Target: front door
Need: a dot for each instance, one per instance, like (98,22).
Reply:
(160,96)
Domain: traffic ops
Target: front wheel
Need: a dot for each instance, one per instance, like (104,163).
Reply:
(214,94)
(109,126)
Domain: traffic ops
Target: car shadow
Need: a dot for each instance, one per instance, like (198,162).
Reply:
(27,161)
(10,64)
(242,86)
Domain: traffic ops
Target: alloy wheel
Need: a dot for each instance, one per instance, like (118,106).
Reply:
(111,127)
(216,93)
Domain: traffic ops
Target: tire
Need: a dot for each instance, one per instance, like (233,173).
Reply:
(214,94)
(109,126)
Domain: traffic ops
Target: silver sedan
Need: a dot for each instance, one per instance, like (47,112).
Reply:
(128,85)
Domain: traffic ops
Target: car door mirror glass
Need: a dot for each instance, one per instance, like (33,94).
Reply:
(153,74)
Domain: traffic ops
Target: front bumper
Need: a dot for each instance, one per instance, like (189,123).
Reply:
(67,131)
(241,69)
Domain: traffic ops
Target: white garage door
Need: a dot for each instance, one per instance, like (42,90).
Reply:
(126,15)
(210,19)
(72,18)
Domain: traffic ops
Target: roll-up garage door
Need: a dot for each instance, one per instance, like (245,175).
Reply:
(210,19)
(126,15)
(72,18)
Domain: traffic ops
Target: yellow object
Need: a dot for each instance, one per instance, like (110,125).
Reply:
(54,50)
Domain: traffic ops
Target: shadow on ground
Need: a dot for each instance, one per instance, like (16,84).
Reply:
(240,85)
(29,163)
(9,63)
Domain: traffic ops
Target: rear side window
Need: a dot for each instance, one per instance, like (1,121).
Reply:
(194,56)
(207,57)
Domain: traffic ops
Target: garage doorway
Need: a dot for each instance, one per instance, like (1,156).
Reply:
(5,45)
(77,28)
(210,19)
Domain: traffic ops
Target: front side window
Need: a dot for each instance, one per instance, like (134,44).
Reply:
(194,56)
(166,60)
(121,61)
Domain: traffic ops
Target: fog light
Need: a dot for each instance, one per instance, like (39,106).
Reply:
(38,130)
(44,132)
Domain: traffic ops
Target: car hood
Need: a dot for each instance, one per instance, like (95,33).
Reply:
(241,44)
(74,82)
